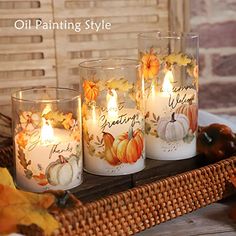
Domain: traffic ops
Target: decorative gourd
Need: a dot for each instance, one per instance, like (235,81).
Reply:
(109,153)
(63,171)
(174,129)
(191,111)
(90,90)
(128,147)
(216,142)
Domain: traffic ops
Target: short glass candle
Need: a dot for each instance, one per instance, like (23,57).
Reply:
(169,67)
(113,121)
(47,139)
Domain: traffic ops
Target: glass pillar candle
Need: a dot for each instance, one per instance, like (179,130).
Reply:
(169,67)
(47,139)
(113,121)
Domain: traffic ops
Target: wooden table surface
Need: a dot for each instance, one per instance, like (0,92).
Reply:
(212,220)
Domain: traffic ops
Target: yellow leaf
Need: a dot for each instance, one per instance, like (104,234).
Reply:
(24,214)
(19,207)
(69,121)
(120,84)
(56,116)
(179,59)
(5,178)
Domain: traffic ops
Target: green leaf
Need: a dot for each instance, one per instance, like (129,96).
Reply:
(147,128)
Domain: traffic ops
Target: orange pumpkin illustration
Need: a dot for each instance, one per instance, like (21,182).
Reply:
(191,111)
(90,90)
(129,146)
(150,66)
(109,154)
(126,148)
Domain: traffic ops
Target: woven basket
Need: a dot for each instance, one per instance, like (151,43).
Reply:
(137,209)
(6,157)
(140,208)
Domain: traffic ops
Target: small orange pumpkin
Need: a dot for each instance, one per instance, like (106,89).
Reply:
(150,65)
(191,111)
(129,146)
(216,142)
(90,90)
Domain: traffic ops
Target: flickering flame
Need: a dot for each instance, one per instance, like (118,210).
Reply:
(47,134)
(112,104)
(47,109)
(167,86)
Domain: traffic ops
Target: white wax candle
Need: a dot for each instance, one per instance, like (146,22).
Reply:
(168,138)
(52,164)
(103,159)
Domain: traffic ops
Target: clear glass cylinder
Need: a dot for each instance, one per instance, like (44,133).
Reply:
(169,68)
(47,137)
(113,121)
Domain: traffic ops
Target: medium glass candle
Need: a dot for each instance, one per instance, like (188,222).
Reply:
(113,121)
(169,67)
(47,139)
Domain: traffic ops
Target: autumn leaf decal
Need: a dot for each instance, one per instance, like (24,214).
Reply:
(60,119)
(119,84)
(179,59)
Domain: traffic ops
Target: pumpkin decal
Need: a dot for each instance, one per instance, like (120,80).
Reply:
(90,90)
(129,146)
(150,65)
(126,148)
(191,111)
(109,153)
(63,171)
(173,129)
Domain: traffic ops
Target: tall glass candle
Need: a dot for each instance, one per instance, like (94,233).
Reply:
(113,121)
(47,139)
(169,67)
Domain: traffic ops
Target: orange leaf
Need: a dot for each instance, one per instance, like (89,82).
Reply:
(21,141)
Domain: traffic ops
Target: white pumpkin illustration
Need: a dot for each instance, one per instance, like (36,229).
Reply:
(63,171)
(173,129)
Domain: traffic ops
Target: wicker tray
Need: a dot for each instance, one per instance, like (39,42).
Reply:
(142,207)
